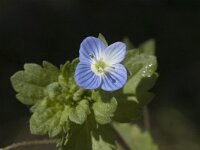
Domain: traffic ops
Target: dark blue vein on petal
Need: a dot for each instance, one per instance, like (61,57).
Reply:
(85,77)
(94,81)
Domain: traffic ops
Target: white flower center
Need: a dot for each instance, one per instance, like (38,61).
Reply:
(99,67)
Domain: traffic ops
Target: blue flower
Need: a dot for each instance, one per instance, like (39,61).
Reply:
(100,66)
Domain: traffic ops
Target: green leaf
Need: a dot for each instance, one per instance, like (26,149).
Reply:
(66,78)
(135,93)
(148,47)
(143,94)
(49,117)
(135,62)
(79,113)
(104,107)
(101,37)
(53,91)
(140,67)
(68,69)
(103,138)
(129,44)
(135,138)
(130,54)
(79,93)
(127,110)
(65,69)
(104,111)
(79,138)
(30,83)
(90,136)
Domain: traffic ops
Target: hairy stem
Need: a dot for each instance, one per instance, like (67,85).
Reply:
(147,124)
(29,143)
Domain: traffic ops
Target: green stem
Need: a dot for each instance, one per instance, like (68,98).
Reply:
(147,125)
(120,140)
(29,143)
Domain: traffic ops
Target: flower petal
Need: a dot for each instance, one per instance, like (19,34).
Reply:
(85,78)
(114,79)
(90,48)
(115,53)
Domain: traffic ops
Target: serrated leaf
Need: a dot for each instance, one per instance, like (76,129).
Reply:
(148,47)
(135,138)
(78,94)
(80,112)
(68,68)
(53,90)
(65,69)
(49,117)
(104,111)
(104,107)
(31,82)
(101,37)
(67,75)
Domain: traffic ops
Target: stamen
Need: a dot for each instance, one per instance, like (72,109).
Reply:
(100,70)
(112,67)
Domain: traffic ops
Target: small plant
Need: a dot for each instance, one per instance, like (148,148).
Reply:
(82,103)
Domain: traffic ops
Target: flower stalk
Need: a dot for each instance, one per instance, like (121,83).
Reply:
(29,143)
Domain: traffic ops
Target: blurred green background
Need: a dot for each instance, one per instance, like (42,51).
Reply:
(36,30)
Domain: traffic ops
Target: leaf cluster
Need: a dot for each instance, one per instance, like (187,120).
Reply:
(81,118)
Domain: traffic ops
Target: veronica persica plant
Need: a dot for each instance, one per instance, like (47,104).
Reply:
(73,102)
(100,66)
